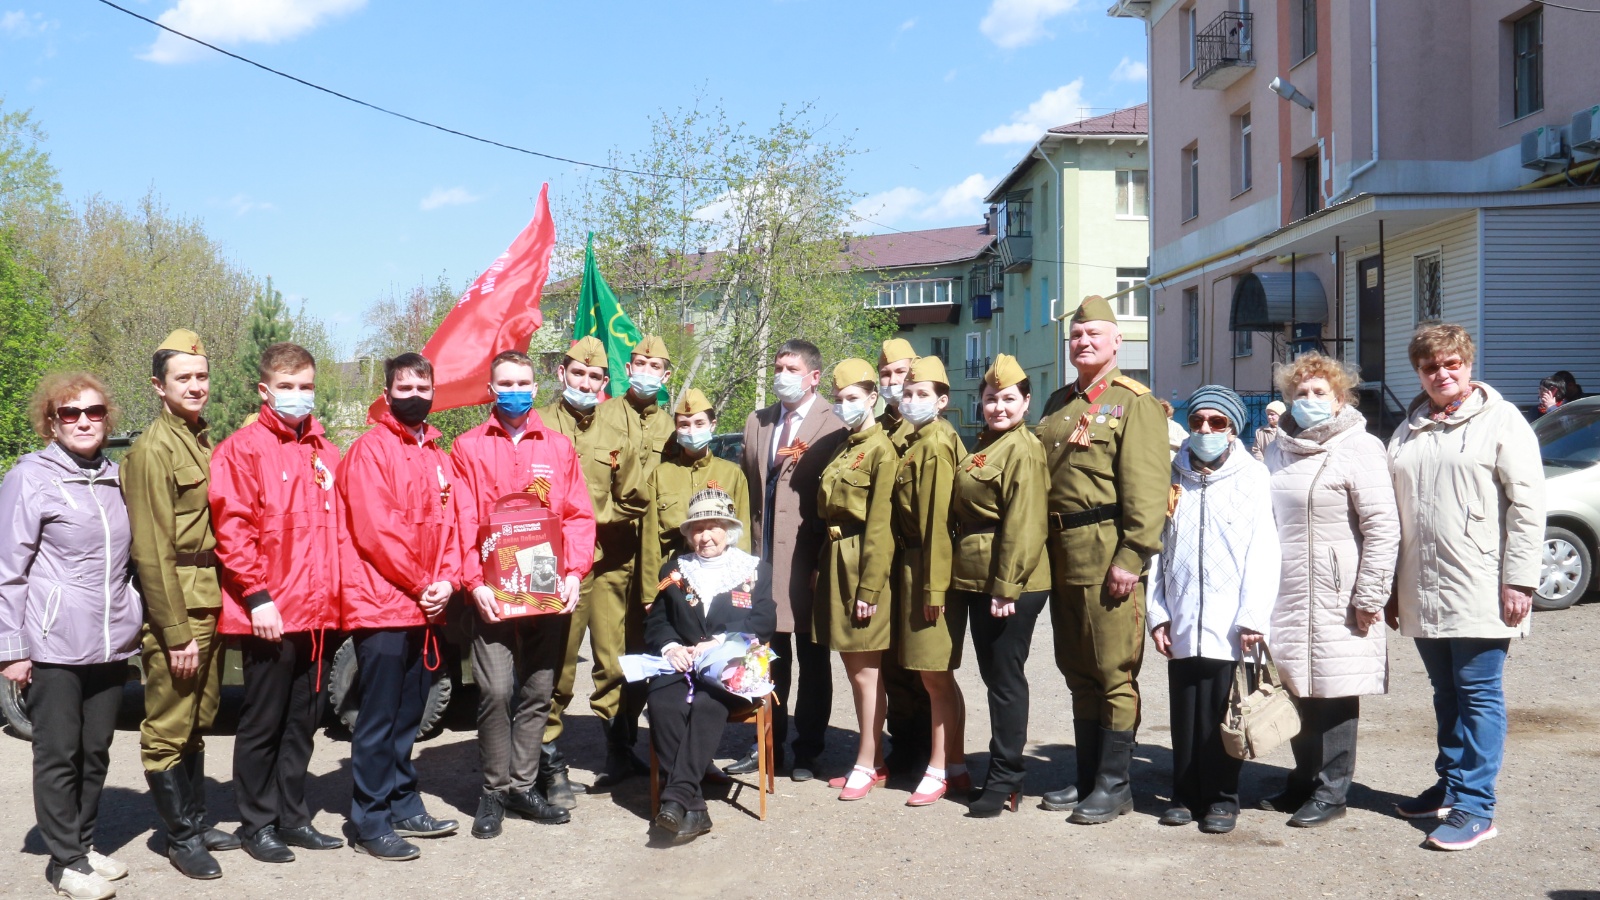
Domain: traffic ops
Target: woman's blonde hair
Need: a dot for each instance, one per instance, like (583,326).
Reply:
(1432,341)
(59,387)
(1342,377)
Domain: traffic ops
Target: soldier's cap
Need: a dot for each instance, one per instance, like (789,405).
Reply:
(710,505)
(1005,372)
(894,350)
(1277,406)
(589,351)
(184,341)
(1094,308)
(653,347)
(1221,399)
(853,371)
(928,368)
(691,402)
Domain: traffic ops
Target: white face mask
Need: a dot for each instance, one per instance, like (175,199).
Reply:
(789,387)
(892,394)
(853,412)
(919,412)
(1309,411)
(580,400)
(1208,446)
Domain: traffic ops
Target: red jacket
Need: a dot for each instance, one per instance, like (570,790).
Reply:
(396,495)
(488,467)
(276,516)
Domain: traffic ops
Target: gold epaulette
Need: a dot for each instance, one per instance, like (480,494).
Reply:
(1124,381)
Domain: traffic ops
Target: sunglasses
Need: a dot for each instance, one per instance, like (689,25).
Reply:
(1217,423)
(1450,365)
(68,415)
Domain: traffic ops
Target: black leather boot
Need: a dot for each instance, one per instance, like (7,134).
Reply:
(194,767)
(552,780)
(620,764)
(1086,744)
(529,805)
(186,847)
(1113,793)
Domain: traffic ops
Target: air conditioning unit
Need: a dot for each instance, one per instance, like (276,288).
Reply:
(1544,146)
(1585,131)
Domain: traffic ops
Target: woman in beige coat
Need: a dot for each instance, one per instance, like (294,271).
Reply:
(1335,508)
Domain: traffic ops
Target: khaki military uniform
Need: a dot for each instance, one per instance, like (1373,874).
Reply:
(922,493)
(672,485)
(898,430)
(607,440)
(1109,479)
(856,501)
(165,481)
(998,507)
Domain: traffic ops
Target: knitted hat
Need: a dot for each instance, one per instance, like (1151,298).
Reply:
(928,368)
(710,505)
(652,347)
(1221,399)
(1277,406)
(853,371)
(691,402)
(184,341)
(589,351)
(894,350)
(1004,372)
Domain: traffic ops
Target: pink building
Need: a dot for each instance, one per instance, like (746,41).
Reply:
(1345,171)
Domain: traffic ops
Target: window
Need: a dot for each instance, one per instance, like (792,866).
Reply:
(975,408)
(1430,296)
(1191,38)
(1243,343)
(941,348)
(1133,193)
(1242,153)
(1027,307)
(974,346)
(1308,185)
(1303,28)
(1527,64)
(1014,215)
(1191,325)
(1136,303)
(1191,182)
(914,293)
(1045,304)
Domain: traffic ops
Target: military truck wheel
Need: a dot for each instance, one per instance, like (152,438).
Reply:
(344,693)
(14,704)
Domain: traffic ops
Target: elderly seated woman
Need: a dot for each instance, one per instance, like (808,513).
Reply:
(705,595)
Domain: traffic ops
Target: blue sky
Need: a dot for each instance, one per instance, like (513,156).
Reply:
(339,204)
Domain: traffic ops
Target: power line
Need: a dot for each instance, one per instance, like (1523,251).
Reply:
(399,115)
(1569,8)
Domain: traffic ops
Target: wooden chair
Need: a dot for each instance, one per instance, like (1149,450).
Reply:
(766,778)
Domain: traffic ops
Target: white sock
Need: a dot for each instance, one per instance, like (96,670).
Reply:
(957,769)
(859,778)
(932,780)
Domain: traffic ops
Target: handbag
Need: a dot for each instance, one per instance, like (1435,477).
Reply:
(1258,721)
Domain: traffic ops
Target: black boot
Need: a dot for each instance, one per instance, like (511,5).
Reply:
(620,762)
(552,780)
(991,801)
(186,847)
(194,767)
(1087,746)
(1113,793)
(529,805)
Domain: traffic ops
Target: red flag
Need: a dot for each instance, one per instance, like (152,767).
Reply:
(499,312)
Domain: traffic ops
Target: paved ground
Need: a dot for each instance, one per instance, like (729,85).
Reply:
(814,846)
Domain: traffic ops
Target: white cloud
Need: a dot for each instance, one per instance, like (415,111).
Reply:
(19,24)
(960,202)
(908,24)
(1017,23)
(241,204)
(1054,107)
(239,22)
(456,196)
(1129,70)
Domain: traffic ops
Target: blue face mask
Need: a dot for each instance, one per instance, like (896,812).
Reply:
(294,406)
(1309,411)
(582,401)
(513,403)
(694,441)
(1207,447)
(645,384)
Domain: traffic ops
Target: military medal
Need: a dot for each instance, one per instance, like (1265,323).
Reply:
(741,599)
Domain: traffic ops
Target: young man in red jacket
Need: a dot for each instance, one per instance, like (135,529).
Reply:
(276,517)
(515,661)
(399,563)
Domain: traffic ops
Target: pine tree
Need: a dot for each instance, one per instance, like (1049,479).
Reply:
(234,395)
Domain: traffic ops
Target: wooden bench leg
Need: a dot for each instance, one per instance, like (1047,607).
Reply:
(655,782)
(763,756)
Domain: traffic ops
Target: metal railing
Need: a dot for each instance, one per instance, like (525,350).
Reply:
(1224,51)
(977,366)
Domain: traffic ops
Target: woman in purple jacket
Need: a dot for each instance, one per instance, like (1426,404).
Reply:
(69,618)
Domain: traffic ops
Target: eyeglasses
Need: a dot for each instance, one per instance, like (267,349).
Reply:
(68,415)
(1449,365)
(1217,423)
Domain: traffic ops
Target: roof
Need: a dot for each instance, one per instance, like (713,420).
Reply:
(1133,120)
(932,247)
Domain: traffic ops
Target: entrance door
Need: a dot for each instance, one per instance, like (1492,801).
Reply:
(1369,292)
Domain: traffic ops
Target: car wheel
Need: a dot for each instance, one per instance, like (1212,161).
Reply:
(1566,571)
(344,693)
(14,705)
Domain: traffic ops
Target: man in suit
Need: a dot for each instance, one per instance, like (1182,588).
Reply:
(786,447)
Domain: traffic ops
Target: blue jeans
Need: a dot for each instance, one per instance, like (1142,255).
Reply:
(1470,706)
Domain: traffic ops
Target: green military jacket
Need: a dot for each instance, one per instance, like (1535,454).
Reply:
(656,428)
(672,485)
(898,429)
(922,508)
(998,506)
(1119,460)
(166,478)
(607,439)
(856,501)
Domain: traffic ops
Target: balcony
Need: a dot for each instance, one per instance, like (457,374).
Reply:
(977,366)
(980,308)
(1016,252)
(1223,51)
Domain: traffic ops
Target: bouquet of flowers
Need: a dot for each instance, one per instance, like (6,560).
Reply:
(750,673)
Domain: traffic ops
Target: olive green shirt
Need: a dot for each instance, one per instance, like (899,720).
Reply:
(998,506)
(898,429)
(607,439)
(656,428)
(1125,463)
(166,478)
(922,492)
(672,485)
(856,497)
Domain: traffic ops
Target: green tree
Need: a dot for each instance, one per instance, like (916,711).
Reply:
(402,323)
(233,379)
(27,347)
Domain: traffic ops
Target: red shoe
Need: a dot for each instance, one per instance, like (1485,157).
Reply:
(849,793)
(879,778)
(960,784)
(930,798)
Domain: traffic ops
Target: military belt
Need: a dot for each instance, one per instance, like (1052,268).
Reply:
(205,559)
(1094,515)
(965,528)
(847,530)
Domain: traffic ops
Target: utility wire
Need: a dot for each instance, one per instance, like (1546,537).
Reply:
(399,115)
(1569,8)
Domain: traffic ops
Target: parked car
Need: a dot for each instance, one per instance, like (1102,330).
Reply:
(1569,441)
(728,446)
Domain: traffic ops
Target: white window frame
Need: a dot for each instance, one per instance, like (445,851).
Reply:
(914,292)
(1125,182)
(1191,49)
(1244,344)
(1125,303)
(1191,177)
(1245,152)
(1434,258)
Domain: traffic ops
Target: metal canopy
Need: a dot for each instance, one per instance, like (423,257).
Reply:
(1266,301)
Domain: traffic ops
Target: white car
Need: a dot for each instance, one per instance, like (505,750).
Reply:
(1569,441)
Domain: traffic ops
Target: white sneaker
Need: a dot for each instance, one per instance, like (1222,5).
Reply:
(79,886)
(106,867)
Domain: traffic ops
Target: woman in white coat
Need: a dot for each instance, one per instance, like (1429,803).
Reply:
(1336,515)
(1211,593)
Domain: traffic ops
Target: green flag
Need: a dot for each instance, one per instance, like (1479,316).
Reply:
(599,315)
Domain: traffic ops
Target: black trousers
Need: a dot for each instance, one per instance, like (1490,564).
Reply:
(686,733)
(1325,748)
(814,704)
(1203,774)
(272,748)
(74,710)
(1001,646)
(394,693)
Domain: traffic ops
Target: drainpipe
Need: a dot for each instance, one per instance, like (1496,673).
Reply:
(1061,263)
(1366,166)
